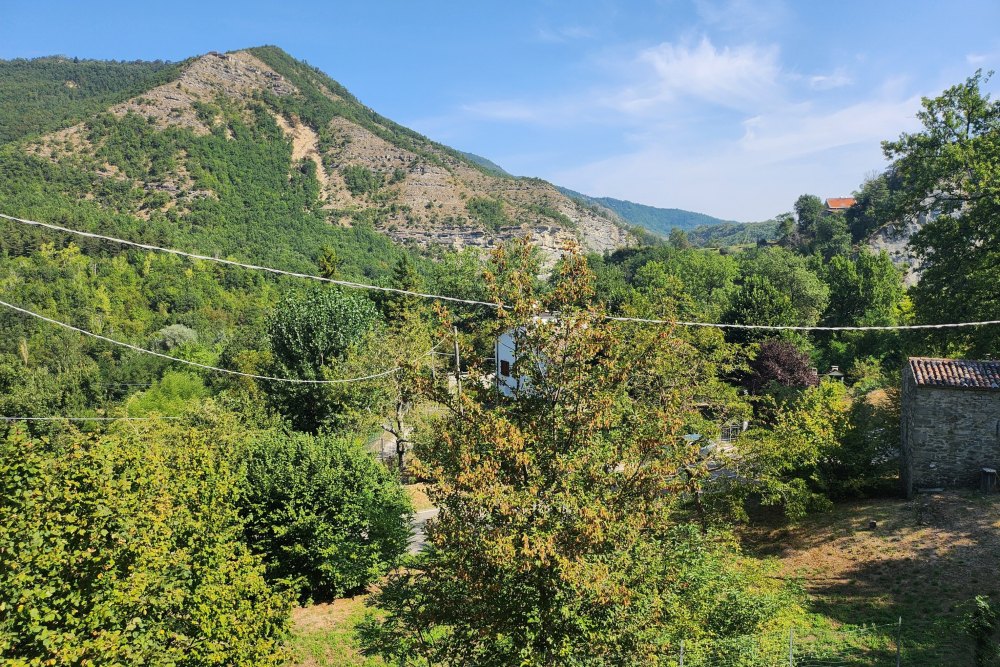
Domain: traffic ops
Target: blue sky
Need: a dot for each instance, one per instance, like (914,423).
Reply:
(728,107)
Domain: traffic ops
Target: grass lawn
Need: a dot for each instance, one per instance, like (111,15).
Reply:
(923,562)
(323,635)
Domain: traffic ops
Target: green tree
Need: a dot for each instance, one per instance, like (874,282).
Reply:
(791,275)
(394,306)
(950,171)
(563,511)
(327,516)
(808,211)
(783,462)
(313,331)
(873,205)
(678,239)
(832,237)
(757,301)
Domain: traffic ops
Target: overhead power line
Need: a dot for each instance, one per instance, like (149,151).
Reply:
(474,302)
(791,327)
(136,348)
(253,267)
(83,419)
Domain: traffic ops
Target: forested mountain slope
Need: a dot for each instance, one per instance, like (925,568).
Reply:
(258,155)
(44,94)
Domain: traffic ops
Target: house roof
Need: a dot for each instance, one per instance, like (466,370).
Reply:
(956,373)
(837,203)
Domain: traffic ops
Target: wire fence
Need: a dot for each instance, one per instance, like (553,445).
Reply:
(888,645)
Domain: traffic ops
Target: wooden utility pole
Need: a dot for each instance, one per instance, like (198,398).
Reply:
(458,373)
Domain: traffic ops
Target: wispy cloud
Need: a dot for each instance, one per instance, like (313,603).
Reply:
(781,154)
(747,18)
(563,34)
(653,79)
(696,119)
(737,77)
(836,79)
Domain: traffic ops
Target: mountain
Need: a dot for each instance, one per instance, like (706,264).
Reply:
(487,164)
(657,220)
(257,155)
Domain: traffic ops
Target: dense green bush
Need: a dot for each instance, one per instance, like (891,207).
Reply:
(124,549)
(362,180)
(488,212)
(325,514)
(311,334)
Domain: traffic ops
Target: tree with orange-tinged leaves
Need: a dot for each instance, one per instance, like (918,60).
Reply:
(565,533)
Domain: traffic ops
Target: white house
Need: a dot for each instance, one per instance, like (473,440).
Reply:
(506,356)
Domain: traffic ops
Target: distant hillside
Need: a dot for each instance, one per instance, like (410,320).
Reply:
(260,156)
(45,94)
(486,164)
(657,220)
(733,233)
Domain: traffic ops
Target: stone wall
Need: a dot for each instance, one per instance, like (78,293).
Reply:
(948,435)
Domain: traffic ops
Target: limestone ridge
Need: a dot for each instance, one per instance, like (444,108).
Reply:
(412,189)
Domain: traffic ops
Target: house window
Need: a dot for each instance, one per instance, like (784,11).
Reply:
(504,368)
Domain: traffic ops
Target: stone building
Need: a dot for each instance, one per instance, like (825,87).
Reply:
(950,414)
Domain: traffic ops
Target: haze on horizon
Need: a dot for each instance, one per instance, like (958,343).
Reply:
(726,107)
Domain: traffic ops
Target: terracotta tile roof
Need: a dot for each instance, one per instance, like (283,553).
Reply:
(837,203)
(958,373)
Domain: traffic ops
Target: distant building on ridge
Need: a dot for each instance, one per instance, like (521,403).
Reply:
(839,204)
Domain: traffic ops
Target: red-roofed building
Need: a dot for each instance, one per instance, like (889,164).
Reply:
(950,419)
(839,204)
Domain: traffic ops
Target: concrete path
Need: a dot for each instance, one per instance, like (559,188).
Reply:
(417,536)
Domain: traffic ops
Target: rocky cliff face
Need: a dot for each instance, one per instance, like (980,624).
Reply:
(414,191)
(895,242)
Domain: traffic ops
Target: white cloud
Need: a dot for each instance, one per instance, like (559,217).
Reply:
(562,34)
(738,77)
(837,79)
(799,131)
(743,17)
(654,80)
(722,129)
(780,156)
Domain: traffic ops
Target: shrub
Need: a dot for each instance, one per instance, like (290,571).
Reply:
(362,180)
(325,514)
(124,549)
(488,212)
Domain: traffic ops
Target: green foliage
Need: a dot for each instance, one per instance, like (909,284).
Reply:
(45,94)
(792,276)
(658,220)
(312,330)
(808,211)
(172,395)
(487,212)
(562,537)
(982,625)
(315,326)
(124,549)
(733,234)
(873,207)
(362,180)
(325,514)
(951,168)
(757,301)
(782,463)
